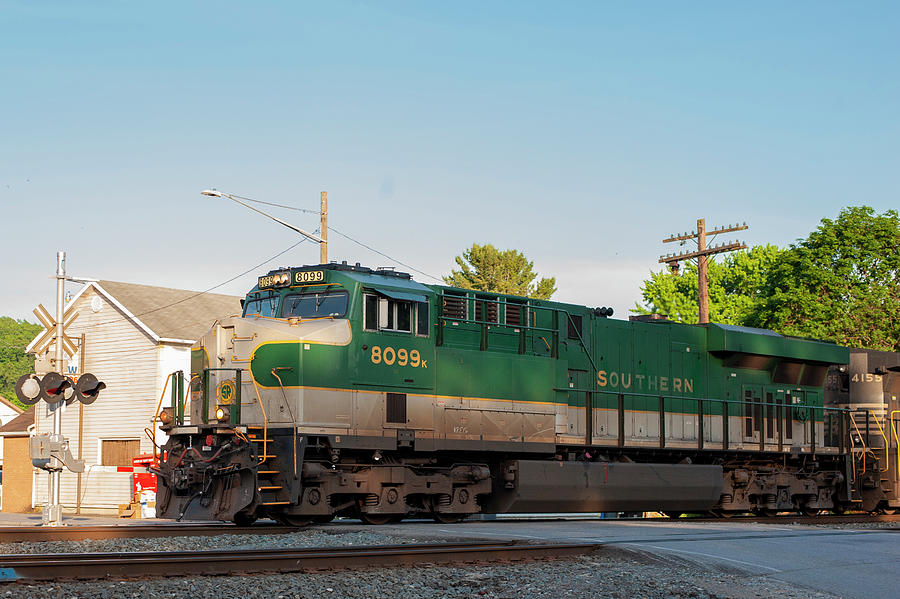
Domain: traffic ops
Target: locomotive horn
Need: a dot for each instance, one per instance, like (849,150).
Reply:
(28,389)
(54,387)
(88,388)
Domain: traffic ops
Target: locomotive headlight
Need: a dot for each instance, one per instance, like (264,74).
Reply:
(167,416)
(285,277)
(223,413)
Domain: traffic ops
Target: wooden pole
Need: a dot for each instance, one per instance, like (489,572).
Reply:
(703,283)
(702,255)
(323,212)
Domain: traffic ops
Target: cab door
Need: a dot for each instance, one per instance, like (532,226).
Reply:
(752,411)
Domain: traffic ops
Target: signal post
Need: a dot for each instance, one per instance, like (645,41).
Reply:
(51,451)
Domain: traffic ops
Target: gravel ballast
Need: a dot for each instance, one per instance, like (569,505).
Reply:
(609,573)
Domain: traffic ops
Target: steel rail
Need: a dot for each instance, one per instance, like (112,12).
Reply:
(20,534)
(92,566)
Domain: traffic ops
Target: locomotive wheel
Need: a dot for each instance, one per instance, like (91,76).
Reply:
(809,511)
(295,521)
(375,519)
(887,511)
(722,513)
(445,518)
(244,519)
(764,512)
(323,519)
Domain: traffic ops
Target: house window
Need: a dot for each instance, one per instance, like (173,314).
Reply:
(119,452)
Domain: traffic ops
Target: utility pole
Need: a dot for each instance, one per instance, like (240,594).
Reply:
(323,213)
(702,253)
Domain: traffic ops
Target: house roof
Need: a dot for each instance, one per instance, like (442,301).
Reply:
(11,405)
(19,424)
(166,315)
(172,313)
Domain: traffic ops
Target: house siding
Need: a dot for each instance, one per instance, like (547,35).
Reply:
(131,363)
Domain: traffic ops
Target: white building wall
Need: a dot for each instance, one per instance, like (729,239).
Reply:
(128,360)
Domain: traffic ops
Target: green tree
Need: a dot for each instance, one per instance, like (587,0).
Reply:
(734,288)
(841,284)
(485,268)
(15,335)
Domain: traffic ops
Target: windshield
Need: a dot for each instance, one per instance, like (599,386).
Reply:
(261,304)
(315,305)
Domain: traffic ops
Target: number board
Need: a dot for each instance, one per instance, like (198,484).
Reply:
(308,276)
(297,277)
(281,279)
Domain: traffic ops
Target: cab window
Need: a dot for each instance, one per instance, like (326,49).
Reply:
(385,314)
(315,304)
(261,304)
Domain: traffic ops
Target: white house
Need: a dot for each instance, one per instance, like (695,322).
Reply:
(133,336)
(8,411)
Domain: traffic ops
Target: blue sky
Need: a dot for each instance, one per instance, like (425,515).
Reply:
(580,133)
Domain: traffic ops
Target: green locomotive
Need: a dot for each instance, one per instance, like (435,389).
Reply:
(346,390)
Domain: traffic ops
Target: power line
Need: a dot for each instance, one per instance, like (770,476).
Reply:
(307,211)
(199,293)
(368,247)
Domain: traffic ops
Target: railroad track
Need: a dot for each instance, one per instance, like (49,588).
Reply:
(92,566)
(19,534)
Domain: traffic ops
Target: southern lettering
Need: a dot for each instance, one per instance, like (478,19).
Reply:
(649,383)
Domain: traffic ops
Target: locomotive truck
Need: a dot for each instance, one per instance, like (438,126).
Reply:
(343,390)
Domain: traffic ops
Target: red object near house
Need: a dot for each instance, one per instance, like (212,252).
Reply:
(143,481)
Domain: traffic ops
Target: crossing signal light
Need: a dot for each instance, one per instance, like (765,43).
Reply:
(56,387)
(28,389)
(88,388)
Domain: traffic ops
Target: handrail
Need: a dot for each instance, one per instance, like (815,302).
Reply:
(155,417)
(887,453)
(716,399)
(862,442)
(265,454)
(896,438)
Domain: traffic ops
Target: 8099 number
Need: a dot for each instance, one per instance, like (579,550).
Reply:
(400,356)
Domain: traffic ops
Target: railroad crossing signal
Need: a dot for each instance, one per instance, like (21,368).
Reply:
(48,337)
(54,388)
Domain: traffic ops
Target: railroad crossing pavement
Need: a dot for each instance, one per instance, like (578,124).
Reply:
(852,563)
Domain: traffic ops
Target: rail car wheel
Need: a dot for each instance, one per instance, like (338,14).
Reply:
(244,519)
(808,511)
(887,511)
